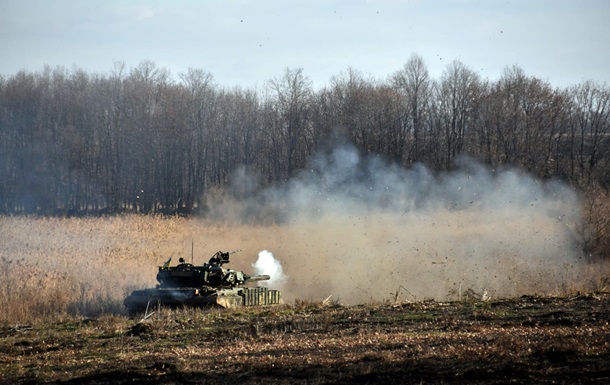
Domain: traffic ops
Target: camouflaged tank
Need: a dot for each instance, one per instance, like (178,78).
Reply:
(207,285)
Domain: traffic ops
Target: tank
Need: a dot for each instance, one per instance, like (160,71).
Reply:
(209,284)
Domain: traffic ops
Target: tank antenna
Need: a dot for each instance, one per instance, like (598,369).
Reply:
(192,250)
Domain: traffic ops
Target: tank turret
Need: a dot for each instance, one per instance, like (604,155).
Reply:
(210,274)
(209,284)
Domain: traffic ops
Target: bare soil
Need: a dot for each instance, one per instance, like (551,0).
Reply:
(524,340)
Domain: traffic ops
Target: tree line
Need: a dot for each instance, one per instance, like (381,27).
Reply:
(137,140)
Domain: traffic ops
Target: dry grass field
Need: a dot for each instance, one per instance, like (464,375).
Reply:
(57,268)
(405,303)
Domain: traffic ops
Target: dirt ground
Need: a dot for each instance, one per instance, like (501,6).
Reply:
(523,340)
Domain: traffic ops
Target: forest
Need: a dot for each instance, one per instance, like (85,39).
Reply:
(137,140)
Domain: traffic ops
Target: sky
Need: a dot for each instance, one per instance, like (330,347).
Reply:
(247,43)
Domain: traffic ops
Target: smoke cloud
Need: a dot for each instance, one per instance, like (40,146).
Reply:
(267,265)
(361,228)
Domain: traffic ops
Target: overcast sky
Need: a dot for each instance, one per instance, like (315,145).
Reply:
(246,43)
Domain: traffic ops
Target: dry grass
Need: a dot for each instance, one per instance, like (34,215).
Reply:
(596,231)
(57,268)
(54,269)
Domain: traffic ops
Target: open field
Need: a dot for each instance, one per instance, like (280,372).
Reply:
(527,340)
(57,268)
(394,314)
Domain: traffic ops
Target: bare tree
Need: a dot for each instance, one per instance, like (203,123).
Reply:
(590,128)
(293,94)
(350,95)
(458,97)
(201,109)
(414,84)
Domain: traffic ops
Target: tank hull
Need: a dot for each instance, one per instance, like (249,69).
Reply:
(140,300)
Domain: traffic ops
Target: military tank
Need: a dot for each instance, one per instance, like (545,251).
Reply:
(198,286)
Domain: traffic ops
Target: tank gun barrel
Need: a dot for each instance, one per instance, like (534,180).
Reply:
(254,278)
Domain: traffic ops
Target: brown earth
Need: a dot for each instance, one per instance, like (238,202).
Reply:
(524,340)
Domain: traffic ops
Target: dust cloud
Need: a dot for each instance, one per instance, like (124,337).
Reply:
(353,227)
(362,229)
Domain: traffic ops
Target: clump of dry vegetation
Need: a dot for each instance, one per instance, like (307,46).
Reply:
(596,228)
